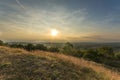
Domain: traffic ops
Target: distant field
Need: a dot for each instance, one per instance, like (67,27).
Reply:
(17,64)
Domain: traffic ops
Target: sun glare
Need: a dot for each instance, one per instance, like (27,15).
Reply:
(54,32)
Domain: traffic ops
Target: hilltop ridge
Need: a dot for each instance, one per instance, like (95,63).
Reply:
(18,64)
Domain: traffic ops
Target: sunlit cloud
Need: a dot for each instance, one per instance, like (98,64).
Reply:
(73,24)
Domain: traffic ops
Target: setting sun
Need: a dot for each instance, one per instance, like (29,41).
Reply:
(54,32)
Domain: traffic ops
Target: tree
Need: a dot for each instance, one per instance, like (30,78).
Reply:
(67,48)
(1,42)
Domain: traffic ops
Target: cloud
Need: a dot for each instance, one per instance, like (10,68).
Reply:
(39,20)
(102,37)
(18,2)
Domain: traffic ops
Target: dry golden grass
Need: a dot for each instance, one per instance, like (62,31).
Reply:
(12,50)
(82,63)
(76,61)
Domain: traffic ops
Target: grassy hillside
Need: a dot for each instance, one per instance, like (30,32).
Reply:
(17,64)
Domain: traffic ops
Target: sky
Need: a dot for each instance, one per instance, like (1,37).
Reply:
(75,20)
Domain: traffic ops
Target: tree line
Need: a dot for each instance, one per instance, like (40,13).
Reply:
(103,54)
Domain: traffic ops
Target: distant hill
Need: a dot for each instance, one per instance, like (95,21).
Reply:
(18,64)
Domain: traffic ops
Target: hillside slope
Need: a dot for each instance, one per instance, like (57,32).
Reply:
(17,64)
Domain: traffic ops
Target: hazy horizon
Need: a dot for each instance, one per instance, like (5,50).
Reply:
(60,20)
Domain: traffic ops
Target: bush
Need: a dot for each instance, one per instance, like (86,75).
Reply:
(77,53)
(30,47)
(13,45)
(91,54)
(17,45)
(106,52)
(117,55)
(1,42)
(53,49)
(41,47)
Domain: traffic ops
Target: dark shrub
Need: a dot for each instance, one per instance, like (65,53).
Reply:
(117,55)
(1,42)
(77,53)
(20,46)
(13,45)
(53,49)
(40,47)
(30,47)
(17,45)
(106,52)
(91,54)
